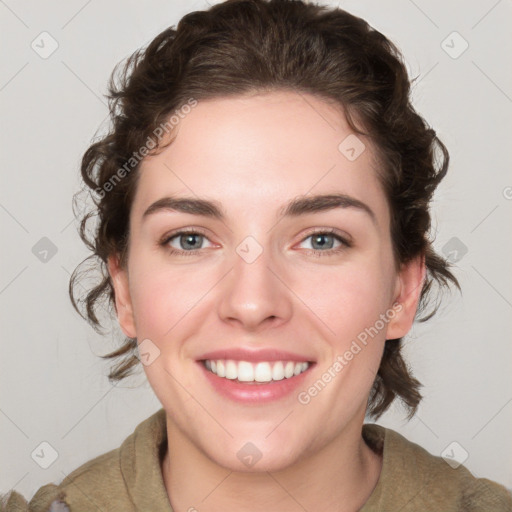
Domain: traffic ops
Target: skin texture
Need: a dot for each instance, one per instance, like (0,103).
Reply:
(253,154)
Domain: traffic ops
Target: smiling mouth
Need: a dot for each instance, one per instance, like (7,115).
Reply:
(262,372)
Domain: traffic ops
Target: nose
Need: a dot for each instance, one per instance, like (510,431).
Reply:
(255,294)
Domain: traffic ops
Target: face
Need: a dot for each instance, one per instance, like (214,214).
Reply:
(260,284)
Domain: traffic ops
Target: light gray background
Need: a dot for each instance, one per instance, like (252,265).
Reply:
(53,384)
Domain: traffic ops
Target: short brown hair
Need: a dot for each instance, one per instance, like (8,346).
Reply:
(253,46)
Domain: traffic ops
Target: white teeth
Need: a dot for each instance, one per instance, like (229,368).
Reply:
(221,369)
(278,371)
(288,369)
(245,371)
(231,370)
(262,372)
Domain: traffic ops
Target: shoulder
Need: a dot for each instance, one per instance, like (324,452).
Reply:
(105,482)
(86,488)
(89,487)
(414,479)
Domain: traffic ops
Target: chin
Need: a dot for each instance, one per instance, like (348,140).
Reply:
(256,462)
(245,456)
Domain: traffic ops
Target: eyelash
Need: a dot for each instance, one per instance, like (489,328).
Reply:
(330,252)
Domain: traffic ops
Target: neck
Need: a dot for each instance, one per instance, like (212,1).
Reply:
(341,476)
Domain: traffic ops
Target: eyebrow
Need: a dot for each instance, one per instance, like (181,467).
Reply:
(299,206)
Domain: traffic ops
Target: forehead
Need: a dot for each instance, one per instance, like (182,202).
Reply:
(254,153)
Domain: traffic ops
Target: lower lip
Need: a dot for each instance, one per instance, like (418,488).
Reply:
(255,392)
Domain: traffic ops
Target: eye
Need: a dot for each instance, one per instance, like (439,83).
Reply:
(186,242)
(322,242)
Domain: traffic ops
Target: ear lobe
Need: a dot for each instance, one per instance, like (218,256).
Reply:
(123,303)
(409,285)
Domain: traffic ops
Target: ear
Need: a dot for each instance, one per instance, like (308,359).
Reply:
(408,288)
(124,310)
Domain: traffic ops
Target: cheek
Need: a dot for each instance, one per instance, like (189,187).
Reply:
(348,298)
(165,300)
(161,298)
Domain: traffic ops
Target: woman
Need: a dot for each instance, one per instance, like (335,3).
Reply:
(263,223)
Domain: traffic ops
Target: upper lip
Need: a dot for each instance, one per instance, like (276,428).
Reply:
(254,355)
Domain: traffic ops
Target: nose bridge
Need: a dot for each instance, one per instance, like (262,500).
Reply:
(253,292)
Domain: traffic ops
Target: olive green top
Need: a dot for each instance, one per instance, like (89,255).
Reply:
(129,478)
